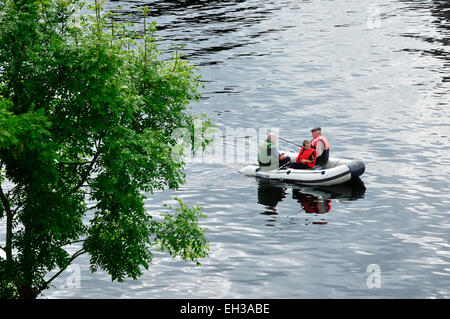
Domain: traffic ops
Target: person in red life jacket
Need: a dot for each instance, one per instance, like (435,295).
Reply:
(306,157)
(321,145)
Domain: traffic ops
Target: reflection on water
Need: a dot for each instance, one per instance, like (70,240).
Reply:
(312,200)
(312,204)
(207,21)
(440,9)
(269,195)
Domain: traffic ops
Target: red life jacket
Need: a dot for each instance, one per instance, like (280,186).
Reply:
(316,206)
(306,154)
(323,158)
(320,138)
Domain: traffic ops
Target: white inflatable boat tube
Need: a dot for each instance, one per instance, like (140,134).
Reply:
(336,171)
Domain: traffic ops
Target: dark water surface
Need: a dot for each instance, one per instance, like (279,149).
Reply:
(375,76)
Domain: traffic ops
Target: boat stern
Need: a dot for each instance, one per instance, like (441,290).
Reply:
(356,167)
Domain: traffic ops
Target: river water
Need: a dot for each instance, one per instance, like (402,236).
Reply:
(375,76)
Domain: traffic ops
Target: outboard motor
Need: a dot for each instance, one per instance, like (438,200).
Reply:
(356,167)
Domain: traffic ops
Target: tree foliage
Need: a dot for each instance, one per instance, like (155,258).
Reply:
(88,115)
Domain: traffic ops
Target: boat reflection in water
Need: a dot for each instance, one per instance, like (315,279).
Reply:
(269,195)
(313,200)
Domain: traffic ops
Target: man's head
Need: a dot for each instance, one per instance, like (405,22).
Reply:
(306,144)
(316,132)
(272,137)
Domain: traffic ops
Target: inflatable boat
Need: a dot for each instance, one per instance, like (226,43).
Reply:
(335,172)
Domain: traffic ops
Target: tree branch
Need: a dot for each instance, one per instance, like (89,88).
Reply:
(92,207)
(10,194)
(74,163)
(9,224)
(77,241)
(87,172)
(11,190)
(74,256)
(17,208)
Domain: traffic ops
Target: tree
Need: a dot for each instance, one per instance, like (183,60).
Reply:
(87,123)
